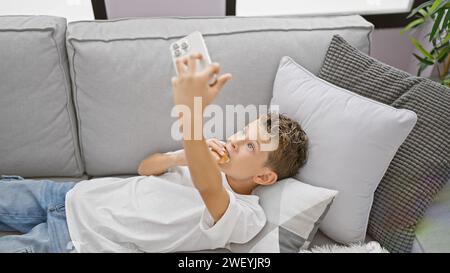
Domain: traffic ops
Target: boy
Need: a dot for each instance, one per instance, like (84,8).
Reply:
(169,207)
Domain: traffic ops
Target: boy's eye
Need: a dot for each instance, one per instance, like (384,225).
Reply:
(250,146)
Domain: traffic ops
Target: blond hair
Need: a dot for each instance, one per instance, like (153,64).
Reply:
(291,153)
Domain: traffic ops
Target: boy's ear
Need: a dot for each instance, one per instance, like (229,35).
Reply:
(268,177)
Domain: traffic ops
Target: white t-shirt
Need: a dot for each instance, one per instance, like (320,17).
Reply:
(156,214)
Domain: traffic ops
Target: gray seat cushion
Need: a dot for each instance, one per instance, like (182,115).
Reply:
(63,179)
(121,73)
(37,123)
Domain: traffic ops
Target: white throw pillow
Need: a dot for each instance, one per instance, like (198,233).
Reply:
(352,141)
(294,211)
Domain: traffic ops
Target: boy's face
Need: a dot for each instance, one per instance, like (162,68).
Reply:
(244,148)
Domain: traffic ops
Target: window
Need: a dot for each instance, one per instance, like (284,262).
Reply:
(320,7)
(72,10)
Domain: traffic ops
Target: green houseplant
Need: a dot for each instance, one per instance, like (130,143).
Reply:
(435,13)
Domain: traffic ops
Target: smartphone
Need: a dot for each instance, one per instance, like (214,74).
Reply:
(192,43)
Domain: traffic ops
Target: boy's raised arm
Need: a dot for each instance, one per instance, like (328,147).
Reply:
(191,85)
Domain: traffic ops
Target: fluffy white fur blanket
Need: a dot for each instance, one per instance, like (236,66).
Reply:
(370,247)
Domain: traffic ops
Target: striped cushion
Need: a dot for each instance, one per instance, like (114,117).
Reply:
(294,211)
(421,166)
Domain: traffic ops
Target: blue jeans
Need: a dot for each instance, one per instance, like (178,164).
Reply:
(35,208)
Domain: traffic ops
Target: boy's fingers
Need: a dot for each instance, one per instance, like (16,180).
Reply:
(181,63)
(192,62)
(220,144)
(197,56)
(221,82)
(212,69)
(217,148)
(215,155)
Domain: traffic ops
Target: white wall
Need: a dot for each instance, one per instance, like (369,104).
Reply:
(392,48)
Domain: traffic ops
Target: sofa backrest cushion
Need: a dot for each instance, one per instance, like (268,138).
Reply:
(122,69)
(38,136)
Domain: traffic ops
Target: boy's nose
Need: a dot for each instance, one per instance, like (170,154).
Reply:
(236,140)
(234,143)
(234,146)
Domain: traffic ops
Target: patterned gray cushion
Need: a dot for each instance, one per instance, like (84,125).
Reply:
(294,211)
(421,166)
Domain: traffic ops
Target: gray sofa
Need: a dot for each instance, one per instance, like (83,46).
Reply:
(93,98)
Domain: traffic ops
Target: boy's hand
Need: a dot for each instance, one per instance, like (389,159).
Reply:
(191,83)
(216,146)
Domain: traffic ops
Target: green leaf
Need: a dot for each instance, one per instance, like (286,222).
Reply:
(440,47)
(446,39)
(443,54)
(423,60)
(439,7)
(437,24)
(421,49)
(416,10)
(423,13)
(446,19)
(422,67)
(412,25)
(434,7)
(433,52)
